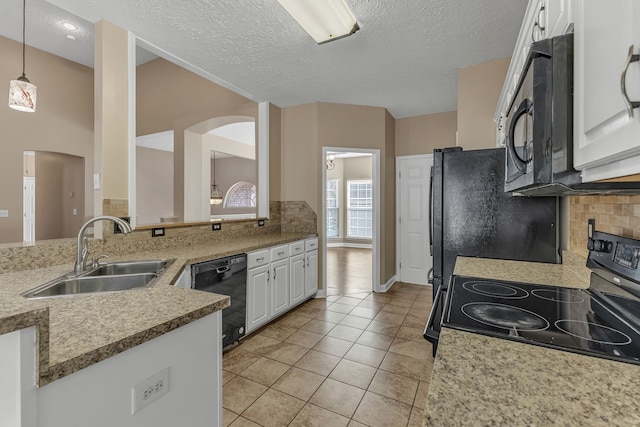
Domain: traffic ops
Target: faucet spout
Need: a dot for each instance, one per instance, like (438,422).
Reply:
(82,248)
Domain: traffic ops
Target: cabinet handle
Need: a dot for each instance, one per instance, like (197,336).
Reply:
(274,274)
(259,259)
(623,83)
(540,21)
(280,253)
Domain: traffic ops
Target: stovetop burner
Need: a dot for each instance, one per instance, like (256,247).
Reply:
(563,318)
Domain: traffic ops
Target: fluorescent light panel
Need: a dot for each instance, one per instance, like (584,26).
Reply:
(324,20)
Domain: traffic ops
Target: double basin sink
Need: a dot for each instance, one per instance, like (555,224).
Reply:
(111,277)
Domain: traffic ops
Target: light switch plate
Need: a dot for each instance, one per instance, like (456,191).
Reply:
(4,213)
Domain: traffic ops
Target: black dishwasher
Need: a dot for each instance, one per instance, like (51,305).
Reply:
(226,276)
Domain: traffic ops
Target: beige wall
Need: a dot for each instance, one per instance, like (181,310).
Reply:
(307,128)
(185,100)
(59,190)
(229,171)
(63,122)
(479,88)
(154,185)
(421,134)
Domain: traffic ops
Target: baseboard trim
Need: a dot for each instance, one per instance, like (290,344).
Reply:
(390,282)
(322,293)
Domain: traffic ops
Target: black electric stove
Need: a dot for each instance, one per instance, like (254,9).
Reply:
(602,321)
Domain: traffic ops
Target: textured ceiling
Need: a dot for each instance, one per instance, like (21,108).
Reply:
(405,56)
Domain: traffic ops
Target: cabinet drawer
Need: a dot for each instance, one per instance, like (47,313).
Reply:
(311,244)
(258,258)
(280,252)
(296,248)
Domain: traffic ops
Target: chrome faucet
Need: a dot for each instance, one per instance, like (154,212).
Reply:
(82,250)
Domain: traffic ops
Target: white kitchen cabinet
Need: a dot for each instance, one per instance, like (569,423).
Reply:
(279,287)
(297,269)
(311,273)
(542,19)
(606,132)
(258,297)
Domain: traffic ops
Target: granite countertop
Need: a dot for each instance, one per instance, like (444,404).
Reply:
(485,381)
(76,332)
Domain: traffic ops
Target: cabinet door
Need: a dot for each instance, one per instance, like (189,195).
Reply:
(258,297)
(280,287)
(311,273)
(604,131)
(297,266)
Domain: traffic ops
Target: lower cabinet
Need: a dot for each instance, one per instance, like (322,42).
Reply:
(276,281)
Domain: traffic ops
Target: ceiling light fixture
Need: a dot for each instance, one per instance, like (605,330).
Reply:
(69,26)
(217,195)
(330,163)
(22,94)
(324,20)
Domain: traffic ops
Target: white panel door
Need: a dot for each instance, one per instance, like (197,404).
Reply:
(414,259)
(29,209)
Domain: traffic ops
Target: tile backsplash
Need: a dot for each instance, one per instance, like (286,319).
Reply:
(613,214)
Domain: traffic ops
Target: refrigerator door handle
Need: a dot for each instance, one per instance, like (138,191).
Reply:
(431,213)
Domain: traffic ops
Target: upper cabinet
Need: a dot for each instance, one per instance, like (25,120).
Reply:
(607,88)
(542,19)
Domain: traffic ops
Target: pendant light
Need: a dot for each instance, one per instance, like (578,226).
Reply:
(216,193)
(22,94)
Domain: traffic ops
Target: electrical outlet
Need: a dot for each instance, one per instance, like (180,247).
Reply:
(148,391)
(216,227)
(4,213)
(261,223)
(157,232)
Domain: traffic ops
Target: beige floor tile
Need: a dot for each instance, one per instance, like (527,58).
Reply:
(375,305)
(305,311)
(394,386)
(367,313)
(227,376)
(355,322)
(299,383)
(304,338)
(265,371)
(417,415)
(340,308)
(349,301)
(243,422)
(359,295)
(355,424)
(378,297)
(239,393)
(274,409)
(315,416)
(346,333)
(228,417)
(259,344)
(353,373)
(330,316)
(403,365)
(318,362)
(413,334)
(374,340)
(398,309)
(385,316)
(421,395)
(379,411)
(398,301)
(319,303)
(364,354)
(413,321)
(337,397)
(238,360)
(318,326)
(383,328)
(278,332)
(334,346)
(415,349)
(333,298)
(287,353)
(428,369)
(292,320)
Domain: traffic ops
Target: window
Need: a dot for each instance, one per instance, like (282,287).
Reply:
(333,210)
(359,209)
(241,195)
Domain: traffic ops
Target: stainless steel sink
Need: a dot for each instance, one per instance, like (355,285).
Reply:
(113,277)
(129,267)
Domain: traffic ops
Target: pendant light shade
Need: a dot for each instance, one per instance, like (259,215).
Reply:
(22,93)
(217,195)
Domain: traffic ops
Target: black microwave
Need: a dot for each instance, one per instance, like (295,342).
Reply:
(540,120)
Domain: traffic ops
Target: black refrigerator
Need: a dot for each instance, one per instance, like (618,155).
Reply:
(471,215)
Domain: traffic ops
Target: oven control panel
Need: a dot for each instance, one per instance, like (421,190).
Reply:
(627,255)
